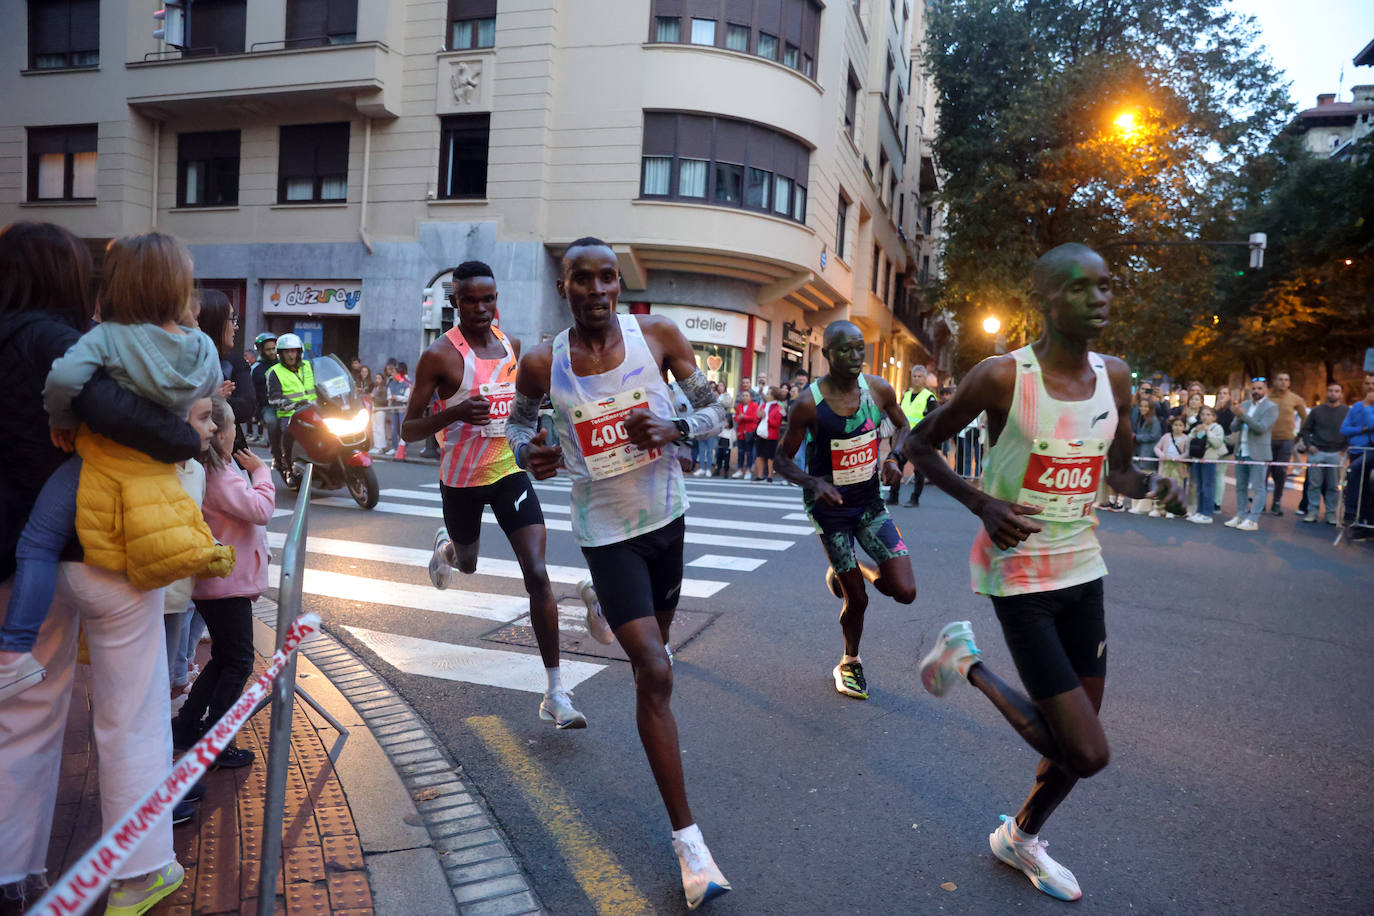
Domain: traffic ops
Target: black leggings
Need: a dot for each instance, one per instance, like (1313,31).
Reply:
(230,622)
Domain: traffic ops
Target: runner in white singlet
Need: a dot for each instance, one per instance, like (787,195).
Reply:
(472,368)
(1058,420)
(619,440)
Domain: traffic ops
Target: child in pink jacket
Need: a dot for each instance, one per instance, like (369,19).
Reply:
(237,513)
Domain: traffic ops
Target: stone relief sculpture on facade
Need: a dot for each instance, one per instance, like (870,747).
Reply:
(466,81)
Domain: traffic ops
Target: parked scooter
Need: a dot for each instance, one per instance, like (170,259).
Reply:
(331,434)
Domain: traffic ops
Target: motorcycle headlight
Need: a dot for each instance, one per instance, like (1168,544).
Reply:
(343,426)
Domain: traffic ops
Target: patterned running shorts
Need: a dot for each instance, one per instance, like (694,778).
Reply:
(876,533)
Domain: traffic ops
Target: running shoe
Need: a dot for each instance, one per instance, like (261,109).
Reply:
(596,621)
(1030,857)
(439,568)
(183,812)
(19,675)
(556,707)
(849,680)
(135,896)
(671,656)
(832,582)
(1247,525)
(701,877)
(1233,522)
(953,654)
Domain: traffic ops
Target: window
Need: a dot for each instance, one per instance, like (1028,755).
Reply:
(463,155)
(691,178)
(787,31)
(841,225)
(887,283)
(216,27)
(313,23)
(724,162)
(876,269)
(851,102)
(901,211)
(668,29)
(312,164)
(472,24)
(62,162)
(64,33)
(208,169)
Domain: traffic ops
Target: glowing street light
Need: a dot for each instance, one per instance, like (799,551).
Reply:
(991,325)
(1125,122)
(993,328)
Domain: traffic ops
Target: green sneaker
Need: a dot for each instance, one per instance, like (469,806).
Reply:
(849,680)
(135,896)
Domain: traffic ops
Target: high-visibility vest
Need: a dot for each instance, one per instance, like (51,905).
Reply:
(297,388)
(916,404)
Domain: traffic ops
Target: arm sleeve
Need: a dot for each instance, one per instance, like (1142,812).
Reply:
(1354,421)
(117,413)
(708,416)
(69,374)
(230,494)
(1264,420)
(522,425)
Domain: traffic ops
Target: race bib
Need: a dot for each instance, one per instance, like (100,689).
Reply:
(606,446)
(502,396)
(854,460)
(1062,477)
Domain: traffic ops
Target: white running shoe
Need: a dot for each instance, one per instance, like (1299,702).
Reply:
(557,707)
(596,621)
(701,878)
(19,675)
(1030,857)
(1247,525)
(439,569)
(1233,522)
(1155,513)
(953,648)
(1197,518)
(832,582)
(134,896)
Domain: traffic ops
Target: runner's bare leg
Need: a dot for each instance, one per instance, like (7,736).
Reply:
(642,642)
(528,543)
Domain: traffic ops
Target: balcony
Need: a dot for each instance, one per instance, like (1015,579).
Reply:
(362,77)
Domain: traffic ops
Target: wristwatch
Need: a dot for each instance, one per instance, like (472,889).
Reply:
(684,432)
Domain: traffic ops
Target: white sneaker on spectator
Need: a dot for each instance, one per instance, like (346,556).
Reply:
(1155,513)
(1247,525)
(1233,522)
(1198,518)
(132,896)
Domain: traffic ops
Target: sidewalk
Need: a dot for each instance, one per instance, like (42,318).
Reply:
(354,840)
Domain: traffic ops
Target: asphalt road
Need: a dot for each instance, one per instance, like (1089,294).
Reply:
(1237,706)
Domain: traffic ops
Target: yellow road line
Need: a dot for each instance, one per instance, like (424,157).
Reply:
(595,869)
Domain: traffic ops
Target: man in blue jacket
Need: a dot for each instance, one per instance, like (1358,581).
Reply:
(1358,429)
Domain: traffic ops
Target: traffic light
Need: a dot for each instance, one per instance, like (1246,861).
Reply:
(171,24)
(1258,242)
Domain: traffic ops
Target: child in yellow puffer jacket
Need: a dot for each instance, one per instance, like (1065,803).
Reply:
(130,512)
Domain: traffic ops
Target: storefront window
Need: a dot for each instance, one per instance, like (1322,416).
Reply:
(720,363)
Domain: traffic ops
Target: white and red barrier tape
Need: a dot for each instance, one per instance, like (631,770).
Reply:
(83,883)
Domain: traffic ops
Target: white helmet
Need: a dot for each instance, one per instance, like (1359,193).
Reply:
(289,342)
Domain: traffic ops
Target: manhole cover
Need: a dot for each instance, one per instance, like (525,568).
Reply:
(574,638)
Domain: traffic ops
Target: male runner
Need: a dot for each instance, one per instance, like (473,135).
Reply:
(619,440)
(843,411)
(917,401)
(472,368)
(1055,411)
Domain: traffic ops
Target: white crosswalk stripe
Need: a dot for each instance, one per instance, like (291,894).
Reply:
(732,530)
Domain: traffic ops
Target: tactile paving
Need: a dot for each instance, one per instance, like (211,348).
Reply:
(304,864)
(349,889)
(342,853)
(335,820)
(217,875)
(307,900)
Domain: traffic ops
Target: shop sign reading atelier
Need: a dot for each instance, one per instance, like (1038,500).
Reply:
(709,326)
(311,297)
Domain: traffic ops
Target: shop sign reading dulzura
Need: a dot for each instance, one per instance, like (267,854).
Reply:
(311,297)
(707,326)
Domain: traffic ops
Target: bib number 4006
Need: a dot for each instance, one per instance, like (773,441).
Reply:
(1068,479)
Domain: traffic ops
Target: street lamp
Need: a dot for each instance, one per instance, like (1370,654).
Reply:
(993,328)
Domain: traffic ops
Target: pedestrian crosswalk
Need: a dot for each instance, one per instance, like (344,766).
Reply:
(733,529)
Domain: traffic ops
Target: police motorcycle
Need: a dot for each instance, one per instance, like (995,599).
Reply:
(332,432)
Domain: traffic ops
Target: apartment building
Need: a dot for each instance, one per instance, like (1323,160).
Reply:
(761,167)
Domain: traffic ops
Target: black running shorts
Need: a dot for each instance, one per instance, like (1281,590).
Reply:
(512,500)
(637,577)
(1056,637)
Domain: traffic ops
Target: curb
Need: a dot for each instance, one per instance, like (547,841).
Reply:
(481,871)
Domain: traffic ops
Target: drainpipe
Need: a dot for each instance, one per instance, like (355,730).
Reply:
(367,165)
(157,148)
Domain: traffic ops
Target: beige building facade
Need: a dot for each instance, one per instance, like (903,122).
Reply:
(761,167)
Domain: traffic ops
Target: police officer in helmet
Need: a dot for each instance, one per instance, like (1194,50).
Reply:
(290,384)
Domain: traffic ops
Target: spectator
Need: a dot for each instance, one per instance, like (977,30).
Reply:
(1169,449)
(1145,424)
(725,442)
(1206,431)
(1320,438)
(1225,419)
(766,434)
(1190,410)
(266,343)
(1254,420)
(1358,430)
(757,391)
(1291,406)
(397,394)
(218,321)
(746,422)
(1194,388)
(250,357)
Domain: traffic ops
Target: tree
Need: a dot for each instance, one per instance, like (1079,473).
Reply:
(1101,121)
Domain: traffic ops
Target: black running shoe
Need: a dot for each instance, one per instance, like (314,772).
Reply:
(196,792)
(233,757)
(849,680)
(184,811)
